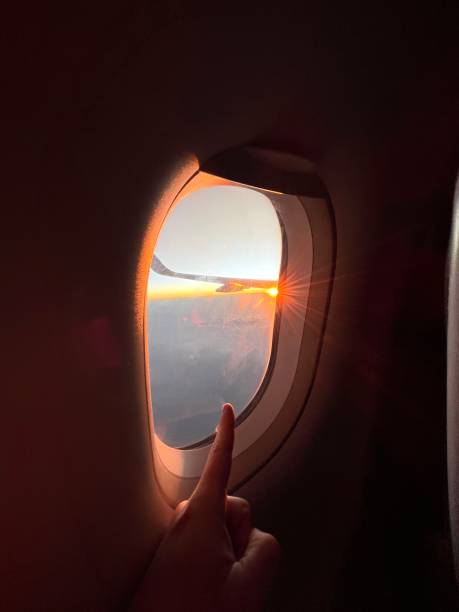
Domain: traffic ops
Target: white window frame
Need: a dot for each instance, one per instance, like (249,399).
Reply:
(305,213)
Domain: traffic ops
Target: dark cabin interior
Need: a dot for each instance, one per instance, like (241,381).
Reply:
(104,105)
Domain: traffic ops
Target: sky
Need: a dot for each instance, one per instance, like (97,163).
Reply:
(222,230)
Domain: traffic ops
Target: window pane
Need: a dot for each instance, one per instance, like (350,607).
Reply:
(211,308)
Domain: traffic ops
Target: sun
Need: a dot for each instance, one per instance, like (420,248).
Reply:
(273,291)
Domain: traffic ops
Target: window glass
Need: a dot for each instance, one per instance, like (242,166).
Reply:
(212,294)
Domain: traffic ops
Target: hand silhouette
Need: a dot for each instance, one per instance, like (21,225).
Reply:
(211,559)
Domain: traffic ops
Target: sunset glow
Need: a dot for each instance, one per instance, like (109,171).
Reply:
(190,289)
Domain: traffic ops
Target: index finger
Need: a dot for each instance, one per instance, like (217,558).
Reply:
(210,491)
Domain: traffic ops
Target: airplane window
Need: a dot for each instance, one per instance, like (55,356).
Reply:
(212,308)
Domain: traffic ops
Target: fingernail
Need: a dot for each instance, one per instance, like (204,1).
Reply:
(225,406)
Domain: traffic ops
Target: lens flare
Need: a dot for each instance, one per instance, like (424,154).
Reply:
(273,291)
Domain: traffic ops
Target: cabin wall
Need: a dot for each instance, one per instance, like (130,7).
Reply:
(112,108)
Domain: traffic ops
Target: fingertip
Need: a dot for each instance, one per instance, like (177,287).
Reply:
(227,418)
(227,409)
(225,431)
(227,412)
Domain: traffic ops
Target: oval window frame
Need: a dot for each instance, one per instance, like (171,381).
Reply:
(177,470)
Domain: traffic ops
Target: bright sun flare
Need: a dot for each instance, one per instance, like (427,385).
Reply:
(272,291)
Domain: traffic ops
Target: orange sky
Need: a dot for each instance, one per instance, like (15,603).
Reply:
(197,289)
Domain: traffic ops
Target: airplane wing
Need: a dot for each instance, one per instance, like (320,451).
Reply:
(229,284)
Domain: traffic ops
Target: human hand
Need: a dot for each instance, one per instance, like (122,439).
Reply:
(211,559)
